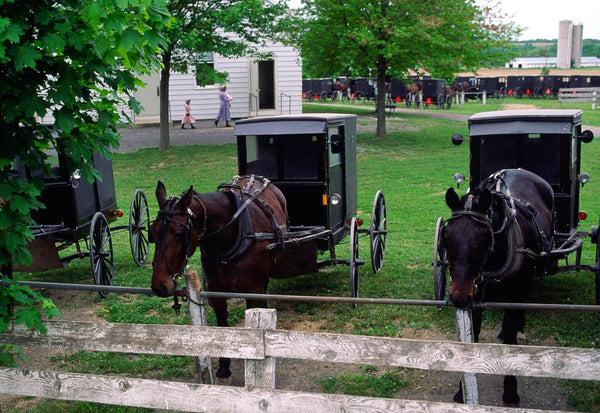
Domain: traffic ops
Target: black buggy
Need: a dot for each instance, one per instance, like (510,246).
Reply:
(546,142)
(312,160)
(77,210)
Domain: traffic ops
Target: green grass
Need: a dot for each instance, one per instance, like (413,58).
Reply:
(414,167)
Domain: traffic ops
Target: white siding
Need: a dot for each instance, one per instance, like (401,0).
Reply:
(205,100)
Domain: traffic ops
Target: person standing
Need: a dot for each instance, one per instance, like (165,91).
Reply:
(224,105)
(188,119)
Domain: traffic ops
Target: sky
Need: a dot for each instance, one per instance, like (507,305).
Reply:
(540,18)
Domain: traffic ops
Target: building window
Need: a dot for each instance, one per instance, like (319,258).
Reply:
(204,69)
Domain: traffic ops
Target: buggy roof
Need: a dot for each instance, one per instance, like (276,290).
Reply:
(510,122)
(313,123)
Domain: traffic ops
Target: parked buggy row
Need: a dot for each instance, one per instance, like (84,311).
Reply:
(312,160)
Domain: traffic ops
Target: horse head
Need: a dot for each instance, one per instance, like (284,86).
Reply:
(175,236)
(468,238)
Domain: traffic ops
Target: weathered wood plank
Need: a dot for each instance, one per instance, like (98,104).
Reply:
(558,362)
(260,373)
(192,397)
(464,327)
(176,340)
(197,310)
(567,363)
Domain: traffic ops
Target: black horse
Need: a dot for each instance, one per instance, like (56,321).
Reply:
(497,240)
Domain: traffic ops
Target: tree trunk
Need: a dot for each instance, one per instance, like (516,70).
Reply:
(165,73)
(380,104)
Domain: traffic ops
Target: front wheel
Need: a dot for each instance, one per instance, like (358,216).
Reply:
(378,231)
(101,251)
(354,259)
(440,262)
(139,220)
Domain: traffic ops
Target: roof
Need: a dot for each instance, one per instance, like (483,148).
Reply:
(524,121)
(310,123)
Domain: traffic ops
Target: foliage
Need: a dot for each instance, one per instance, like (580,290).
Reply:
(377,38)
(26,308)
(548,48)
(76,60)
(231,28)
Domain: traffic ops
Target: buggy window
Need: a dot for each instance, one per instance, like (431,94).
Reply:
(261,156)
(300,157)
(283,157)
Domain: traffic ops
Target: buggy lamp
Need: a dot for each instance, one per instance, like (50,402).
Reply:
(582,215)
(75,177)
(118,213)
(458,179)
(457,139)
(583,178)
(334,199)
(359,221)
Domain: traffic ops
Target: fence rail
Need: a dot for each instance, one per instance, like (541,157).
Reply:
(588,94)
(260,347)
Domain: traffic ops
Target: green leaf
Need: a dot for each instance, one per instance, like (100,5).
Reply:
(27,56)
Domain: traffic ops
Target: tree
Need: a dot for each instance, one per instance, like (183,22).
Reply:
(382,38)
(76,60)
(231,28)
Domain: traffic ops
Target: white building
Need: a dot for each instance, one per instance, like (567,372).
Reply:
(258,88)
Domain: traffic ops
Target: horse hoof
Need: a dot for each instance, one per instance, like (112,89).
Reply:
(223,372)
(517,404)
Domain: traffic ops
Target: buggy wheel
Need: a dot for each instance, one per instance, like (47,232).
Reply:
(440,263)
(354,260)
(378,231)
(139,219)
(448,101)
(101,251)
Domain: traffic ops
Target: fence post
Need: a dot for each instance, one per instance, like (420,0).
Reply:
(484,98)
(260,373)
(464,326)
(198,318)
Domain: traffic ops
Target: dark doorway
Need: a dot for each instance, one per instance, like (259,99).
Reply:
(266,84)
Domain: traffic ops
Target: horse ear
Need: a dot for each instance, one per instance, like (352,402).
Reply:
(186,199)
(161,194)
(452,199)
(485,200)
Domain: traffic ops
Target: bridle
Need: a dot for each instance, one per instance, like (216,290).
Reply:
(165,217)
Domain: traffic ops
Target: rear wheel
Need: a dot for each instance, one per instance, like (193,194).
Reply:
(101,251)
(440,262)
(354,259)
(139,219)
(378,231)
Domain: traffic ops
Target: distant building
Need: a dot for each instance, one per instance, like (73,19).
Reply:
(532,62)
(570,43)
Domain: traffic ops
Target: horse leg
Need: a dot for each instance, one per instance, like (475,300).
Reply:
(513,322)
(220,307)
(477,316)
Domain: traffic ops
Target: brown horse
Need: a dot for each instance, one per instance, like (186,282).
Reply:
(225,226)
(496,241)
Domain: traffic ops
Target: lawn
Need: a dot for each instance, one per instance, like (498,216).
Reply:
(413,166)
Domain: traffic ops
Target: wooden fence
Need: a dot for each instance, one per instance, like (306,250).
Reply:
(260,344)
(587,94)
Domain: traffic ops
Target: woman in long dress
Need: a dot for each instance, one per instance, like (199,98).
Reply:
(188,119)
(224,112)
